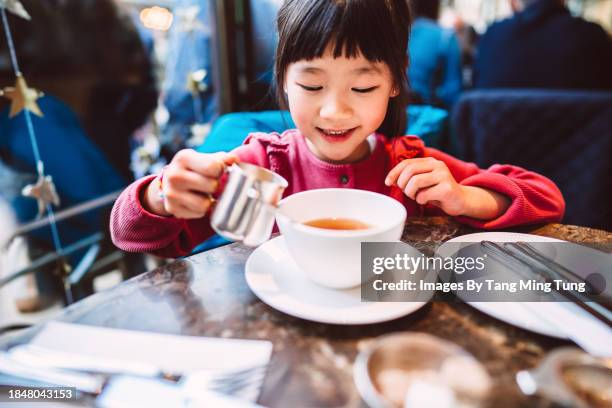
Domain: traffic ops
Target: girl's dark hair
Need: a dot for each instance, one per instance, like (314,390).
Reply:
(378,29)
(425,8)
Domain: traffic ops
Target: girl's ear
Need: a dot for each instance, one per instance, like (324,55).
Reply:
(394,92)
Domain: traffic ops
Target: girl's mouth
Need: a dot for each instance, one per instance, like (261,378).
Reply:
(336,135)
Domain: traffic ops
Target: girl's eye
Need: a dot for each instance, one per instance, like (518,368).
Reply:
(311,88)
(365,90)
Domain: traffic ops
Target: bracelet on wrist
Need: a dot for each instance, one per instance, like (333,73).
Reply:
(160,184)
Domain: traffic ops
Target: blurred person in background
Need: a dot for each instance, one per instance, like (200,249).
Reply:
(468,41)
(435,57)
(543,46)
(89,55)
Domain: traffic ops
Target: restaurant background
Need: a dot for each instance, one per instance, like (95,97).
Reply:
(129,83)
(122,85)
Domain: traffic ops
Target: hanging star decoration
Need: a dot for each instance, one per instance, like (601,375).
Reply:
(188,19)
(43,191)
(22,97)
(195,82)
(15,7)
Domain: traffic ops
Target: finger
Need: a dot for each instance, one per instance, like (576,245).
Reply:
(199,204)
(395,172)
(418,182)
(188,205)
(210,165)
(230,159)
(430,195)
(225,159)
(418,167)
(178,210)
(185,180)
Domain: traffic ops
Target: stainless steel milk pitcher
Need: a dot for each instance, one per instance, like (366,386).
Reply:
(245,210)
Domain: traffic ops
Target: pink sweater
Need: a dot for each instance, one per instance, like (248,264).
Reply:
(535,199)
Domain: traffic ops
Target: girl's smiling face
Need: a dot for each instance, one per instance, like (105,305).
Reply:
(338,102)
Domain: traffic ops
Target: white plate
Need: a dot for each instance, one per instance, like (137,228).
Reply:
(516,313)
(277,281)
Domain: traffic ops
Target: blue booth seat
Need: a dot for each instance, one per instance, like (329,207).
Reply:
(562,134)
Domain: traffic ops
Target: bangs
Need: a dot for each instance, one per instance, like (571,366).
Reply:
(351,27)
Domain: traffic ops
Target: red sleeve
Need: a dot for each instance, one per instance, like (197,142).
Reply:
(534,198)
(134,229)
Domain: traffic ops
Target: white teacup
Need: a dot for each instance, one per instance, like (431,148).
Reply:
(332,258)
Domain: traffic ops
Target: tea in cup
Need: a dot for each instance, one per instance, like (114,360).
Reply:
(337,224)
(324,229)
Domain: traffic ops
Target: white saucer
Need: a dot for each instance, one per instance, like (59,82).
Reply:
(273,276)
(520,314)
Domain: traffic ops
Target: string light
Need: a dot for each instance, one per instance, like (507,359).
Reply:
(156,18)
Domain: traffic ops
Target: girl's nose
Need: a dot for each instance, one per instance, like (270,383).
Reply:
(335,108)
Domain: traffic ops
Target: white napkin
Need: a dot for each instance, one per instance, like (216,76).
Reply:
(186,355)
(171,353)
(592,335)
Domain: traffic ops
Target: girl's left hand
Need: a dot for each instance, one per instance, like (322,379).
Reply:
(429,181)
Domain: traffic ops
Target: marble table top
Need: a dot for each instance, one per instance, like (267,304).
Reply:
(207,295)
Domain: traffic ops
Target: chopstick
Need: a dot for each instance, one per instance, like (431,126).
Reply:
(550,264)
(560,271)
(515,255)
(505,257)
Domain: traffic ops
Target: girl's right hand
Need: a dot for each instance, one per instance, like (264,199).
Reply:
(188,182)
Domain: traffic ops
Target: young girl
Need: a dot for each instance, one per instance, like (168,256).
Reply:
(340,66)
